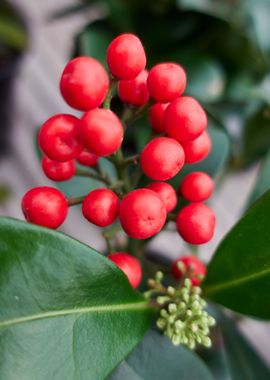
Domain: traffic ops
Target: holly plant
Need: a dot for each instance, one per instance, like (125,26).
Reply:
(69,312)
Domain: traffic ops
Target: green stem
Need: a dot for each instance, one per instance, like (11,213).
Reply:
(102,177)
(122,170)
(108,99)
(132,159)
(76,200)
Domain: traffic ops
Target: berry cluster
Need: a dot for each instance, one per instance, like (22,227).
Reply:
(179,136)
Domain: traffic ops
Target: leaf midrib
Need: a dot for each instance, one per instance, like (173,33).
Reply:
(83,310)
(240,281)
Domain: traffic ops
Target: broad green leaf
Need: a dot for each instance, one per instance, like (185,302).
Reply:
(257,135)
(262,183)
(219,9)
(231,355)
(238,276)
(214,163)
(243,361)
(66,312)
(156,358)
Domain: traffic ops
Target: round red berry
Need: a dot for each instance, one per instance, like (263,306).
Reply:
(197,150)
(134,91)
(166,192)
(185,119)
(102,131)
(84,83)
(58,171)
(87,158)
(193,268)
(156,116)
(197,187)
(100,207)
(59,138)
(162,158)
(142,213)
(126,56)
(129,265)
(166,82)
(45,206)
(196,223)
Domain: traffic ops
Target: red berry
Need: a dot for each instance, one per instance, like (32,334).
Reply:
(194,269)
(102,131)
(45,206)
(58,171)
(134,91)
(87,158)
(126,56)
(84,83)
(185,119)
(156,116)
(197,150)
(162,158)
(59,138)
(166,82)
(196,223)
(197,187)
(100,207)
(166,192)
(129,265)
(142,213)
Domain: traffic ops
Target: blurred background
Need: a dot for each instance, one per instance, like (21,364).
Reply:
(224,47)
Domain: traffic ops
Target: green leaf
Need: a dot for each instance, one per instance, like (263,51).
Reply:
(156,358)
(219,9)
(231,355)
(238,275)
(262,183)
(66,312)
(214,163)
(257,135)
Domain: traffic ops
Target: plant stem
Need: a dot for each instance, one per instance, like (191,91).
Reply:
(75,201)
(108,242)
(132,159)
(102,177)
(108,99)
(122,170)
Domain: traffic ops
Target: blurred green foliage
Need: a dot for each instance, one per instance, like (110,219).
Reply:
(224,46)
(13,37)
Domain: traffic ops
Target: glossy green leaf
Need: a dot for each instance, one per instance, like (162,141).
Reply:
(262,183)
(257,135)
(214,163)
(231,355)
(156,358)
(220,9)
(66,312)
(238,275)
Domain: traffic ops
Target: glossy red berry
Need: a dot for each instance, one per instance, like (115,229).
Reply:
(185,119)
(84,83)
(142,213)
(45,206)
(196,223)
(87,158)
(197,150)
(129,265)
(197,187)
(156,116)
(58,171)
(134,91)
(194,269)
(100,207)
(102,131)
(166,192)
(162,158)
(166,82)
(126,56)
(59,138)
